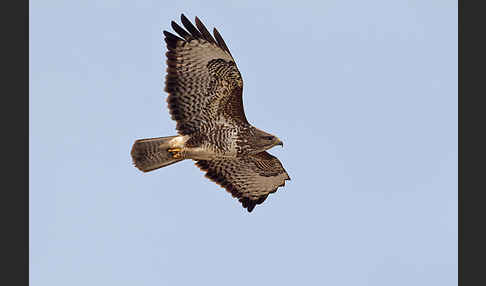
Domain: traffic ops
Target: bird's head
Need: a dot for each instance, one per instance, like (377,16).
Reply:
(265,141)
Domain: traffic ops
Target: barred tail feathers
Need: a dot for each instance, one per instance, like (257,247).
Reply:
(151,153)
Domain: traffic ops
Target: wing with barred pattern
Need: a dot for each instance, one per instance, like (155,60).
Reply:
(204,84)
(250,179)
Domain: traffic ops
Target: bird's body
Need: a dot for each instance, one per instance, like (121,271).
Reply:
(215,144)
(205,99)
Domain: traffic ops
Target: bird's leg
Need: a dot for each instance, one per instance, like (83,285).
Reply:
(175,152)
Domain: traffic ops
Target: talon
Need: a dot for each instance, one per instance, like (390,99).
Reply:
(175,152)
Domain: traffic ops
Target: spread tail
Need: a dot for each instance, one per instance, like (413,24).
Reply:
(151,153)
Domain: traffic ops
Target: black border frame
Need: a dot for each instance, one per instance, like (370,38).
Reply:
(471,169)
(15,155)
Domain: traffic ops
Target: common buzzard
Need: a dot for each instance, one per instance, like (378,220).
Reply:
(205,99)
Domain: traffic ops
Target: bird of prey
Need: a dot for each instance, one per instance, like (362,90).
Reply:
(205,99)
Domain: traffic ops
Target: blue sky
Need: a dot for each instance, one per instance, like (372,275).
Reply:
(363,93)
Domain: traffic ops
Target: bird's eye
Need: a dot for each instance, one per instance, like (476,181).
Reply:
(268,137)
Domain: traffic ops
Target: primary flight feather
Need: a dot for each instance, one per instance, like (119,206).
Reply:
(205,99)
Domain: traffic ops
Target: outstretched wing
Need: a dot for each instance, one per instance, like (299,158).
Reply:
(250,179)
(204,85)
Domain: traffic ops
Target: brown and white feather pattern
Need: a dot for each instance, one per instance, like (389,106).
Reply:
(250,179)
(205,99)
(204,85)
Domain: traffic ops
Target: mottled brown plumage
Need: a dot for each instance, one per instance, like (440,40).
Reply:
(205,99)
(250,179)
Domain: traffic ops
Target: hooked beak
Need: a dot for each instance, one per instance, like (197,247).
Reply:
(279,143)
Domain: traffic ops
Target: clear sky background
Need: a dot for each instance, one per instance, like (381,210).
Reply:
(363,93)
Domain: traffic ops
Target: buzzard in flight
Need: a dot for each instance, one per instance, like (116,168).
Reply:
(205,99)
